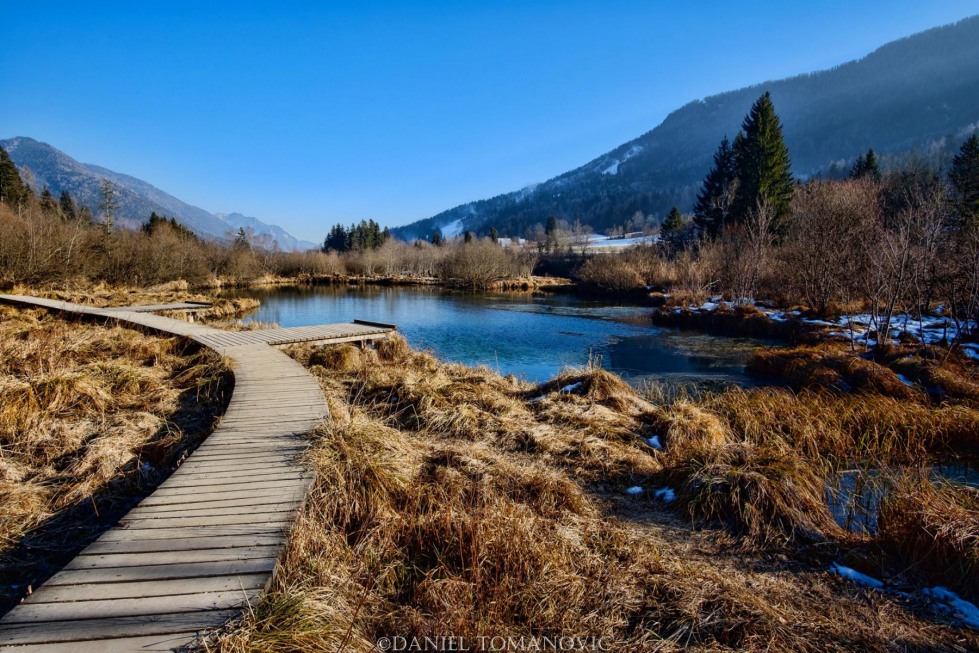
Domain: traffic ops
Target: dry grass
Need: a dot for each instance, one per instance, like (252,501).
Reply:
(89,415)
(453,501)
(932,533)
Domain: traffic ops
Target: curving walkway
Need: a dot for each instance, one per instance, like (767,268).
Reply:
(205,542)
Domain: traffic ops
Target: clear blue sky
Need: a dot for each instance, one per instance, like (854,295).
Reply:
(324,112)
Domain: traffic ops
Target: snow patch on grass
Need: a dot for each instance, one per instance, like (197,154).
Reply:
(855,576)
(948,600)
(666,494)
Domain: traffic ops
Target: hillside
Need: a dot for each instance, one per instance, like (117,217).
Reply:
(918,92)
(42,165)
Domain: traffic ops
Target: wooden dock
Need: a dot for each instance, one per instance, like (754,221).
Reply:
(205,542)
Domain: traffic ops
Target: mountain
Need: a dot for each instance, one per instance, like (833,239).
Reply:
(270,232)
(917,93)
(43,166)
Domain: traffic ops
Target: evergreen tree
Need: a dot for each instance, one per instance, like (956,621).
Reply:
(551,234)
(714,200)
(866,166)
(672,223)
(336,240)
(964,179)
(494,235)
(437,239)
(468,236)
(69,210)
(48,204)
(13,192)
(762,164)
(241,240)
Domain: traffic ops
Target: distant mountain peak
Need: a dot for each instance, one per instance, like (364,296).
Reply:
(44,166)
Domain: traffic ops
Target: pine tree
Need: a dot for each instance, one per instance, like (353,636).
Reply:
(69,210)
(550,232)
(48,204)
(964,179)
(762,164)
(866,166)
(714,200)
(673,222)
(468,236)
(437,239)
(13,192)
(336,240)
(494,235)
(241,240)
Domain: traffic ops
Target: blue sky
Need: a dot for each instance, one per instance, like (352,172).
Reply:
(306,114)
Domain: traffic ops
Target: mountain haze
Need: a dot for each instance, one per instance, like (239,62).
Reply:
(41,165)
(918,92)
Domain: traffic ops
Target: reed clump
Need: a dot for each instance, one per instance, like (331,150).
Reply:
(932,533)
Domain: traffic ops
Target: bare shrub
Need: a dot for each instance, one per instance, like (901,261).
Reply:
(608,272)
(478,264)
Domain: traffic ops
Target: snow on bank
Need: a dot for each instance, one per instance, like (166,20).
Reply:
(929,329)
(941,599)
(947,600)
(635,489)
(666,494)
(855,576)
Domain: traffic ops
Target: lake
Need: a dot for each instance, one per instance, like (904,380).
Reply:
(532,336)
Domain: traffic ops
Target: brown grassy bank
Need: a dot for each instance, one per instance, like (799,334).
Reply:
(91,416)
(453,501)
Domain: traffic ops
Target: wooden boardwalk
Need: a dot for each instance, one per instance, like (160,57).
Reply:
(205,542)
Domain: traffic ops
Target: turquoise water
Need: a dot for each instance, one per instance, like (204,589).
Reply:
(531,336)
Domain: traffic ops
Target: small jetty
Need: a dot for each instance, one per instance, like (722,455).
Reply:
(204,544)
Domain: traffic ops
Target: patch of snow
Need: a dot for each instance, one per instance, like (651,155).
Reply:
(964,610)
(708,306)
(655,443)
(570,388)
(855,576)
(666,494)
(536,399)
(971,350)
(452,229)
(905,380)
(635,489)
(614,168)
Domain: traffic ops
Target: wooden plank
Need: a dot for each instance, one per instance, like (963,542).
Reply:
(183,543)
(283,518)
(99,629)
(106,560)
(215,509)
(231,488)
(151,643)
(226,530)
(159,572)
(144,588)
(107,609)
